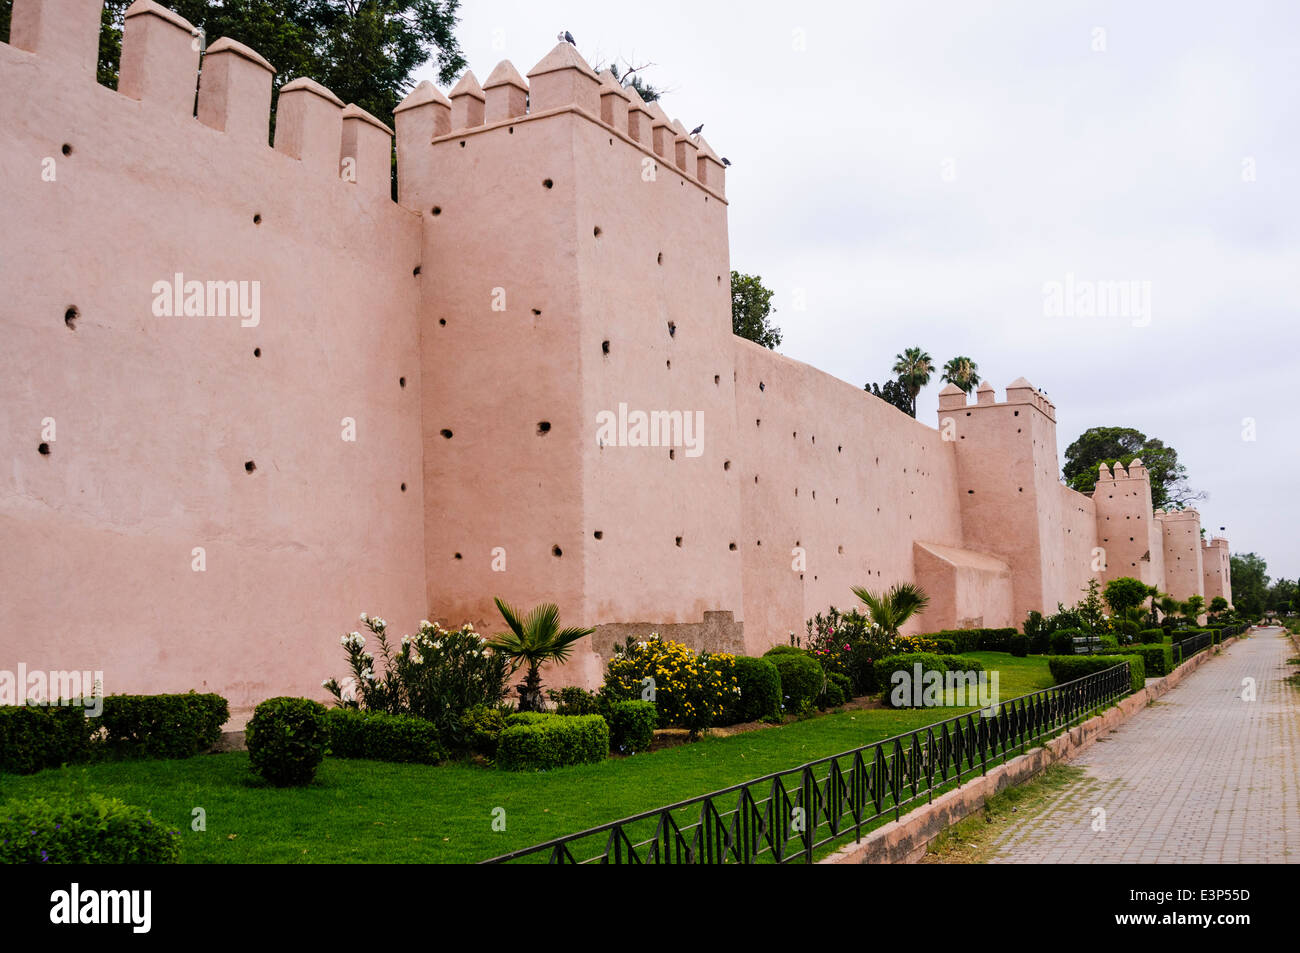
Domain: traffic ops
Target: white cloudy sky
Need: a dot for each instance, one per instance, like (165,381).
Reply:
(1117,165)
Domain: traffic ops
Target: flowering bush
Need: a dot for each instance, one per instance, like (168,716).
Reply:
(436,675)
(688,690)
(847,643)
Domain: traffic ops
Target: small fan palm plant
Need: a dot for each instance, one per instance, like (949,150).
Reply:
(533,640)
(891,609)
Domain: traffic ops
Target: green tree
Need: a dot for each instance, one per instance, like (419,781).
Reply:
(1125,593)
(363,50)
(533,640)
(963,373)
(890,610)
(631,76)
(1110,445)
(913,367)
(893,393)
(751,311)
(1193,607)
(1249,576)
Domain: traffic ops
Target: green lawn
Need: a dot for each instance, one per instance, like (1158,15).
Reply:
(372,812)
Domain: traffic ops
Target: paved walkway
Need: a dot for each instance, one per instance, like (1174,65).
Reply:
(1200,776)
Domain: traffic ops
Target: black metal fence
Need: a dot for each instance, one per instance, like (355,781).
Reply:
(1186,648)
(789,815)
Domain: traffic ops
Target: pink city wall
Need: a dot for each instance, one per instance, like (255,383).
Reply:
(439,398)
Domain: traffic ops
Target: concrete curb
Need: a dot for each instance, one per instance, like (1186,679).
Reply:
(905,840)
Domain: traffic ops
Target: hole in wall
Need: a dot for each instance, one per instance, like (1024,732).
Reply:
(679,541)
(717,378)
(462,143)
(416,271)
(257,352)
(547,184)
(67,149)
(660,259)
(755,477)
(557,552)
(839,449)
(445,433)
(672,329)
(761,386)
(604,347)
(43,449)
(442,322)
(543,428)
(598,534)
(758,423)
(726,464)
(457,556)
(672,454)
(536,313)
(437,210)
(249,466)
(971,492)
(257,219)
(401,382)
(668,364)
(596,232)
(403,487)
(731,546)
(70,317)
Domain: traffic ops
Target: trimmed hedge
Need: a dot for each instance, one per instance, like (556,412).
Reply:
(163,726)
(1062,641)
(33,737)
(540,742)
(886,667)
(975,640)
(91,829)
(1158,659)
(1151,636)
(287,738)
(631,726)
(959,663)
(481,727)
(1067,668)
(802,680)
(760,690)
(784,649)
(1020,646)
(378,736)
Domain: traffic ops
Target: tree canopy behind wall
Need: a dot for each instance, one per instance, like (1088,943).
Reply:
(364,51)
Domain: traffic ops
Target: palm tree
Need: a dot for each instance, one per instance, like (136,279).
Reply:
(913,367)
(890,610)
(963,373)
(1169,606)
(533,640)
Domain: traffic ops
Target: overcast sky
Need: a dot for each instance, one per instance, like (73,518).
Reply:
(918,172)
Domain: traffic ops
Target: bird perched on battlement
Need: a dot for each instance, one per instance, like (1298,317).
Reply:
(564,36)
(726,161)
(697,130)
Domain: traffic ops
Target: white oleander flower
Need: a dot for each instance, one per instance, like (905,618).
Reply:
(364,618)
(417,658)
(368,675)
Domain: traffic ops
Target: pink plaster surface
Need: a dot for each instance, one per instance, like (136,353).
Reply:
(541,269)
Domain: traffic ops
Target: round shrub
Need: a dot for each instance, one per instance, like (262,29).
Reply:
(631,726)
(1151,636)
(837,691)
(1063,641)
(1019,646)
(801,680)
(960,663)
(760,690)
(286,740)
(1110,643)
(784,650)
(688,690)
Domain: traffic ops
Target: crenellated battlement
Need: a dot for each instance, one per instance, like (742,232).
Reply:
(160,68)
(561,82)
(1019,391)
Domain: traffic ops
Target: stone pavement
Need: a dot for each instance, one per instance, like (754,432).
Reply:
(1200,776)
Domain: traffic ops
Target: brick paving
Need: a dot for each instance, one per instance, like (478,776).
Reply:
(1200,776)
